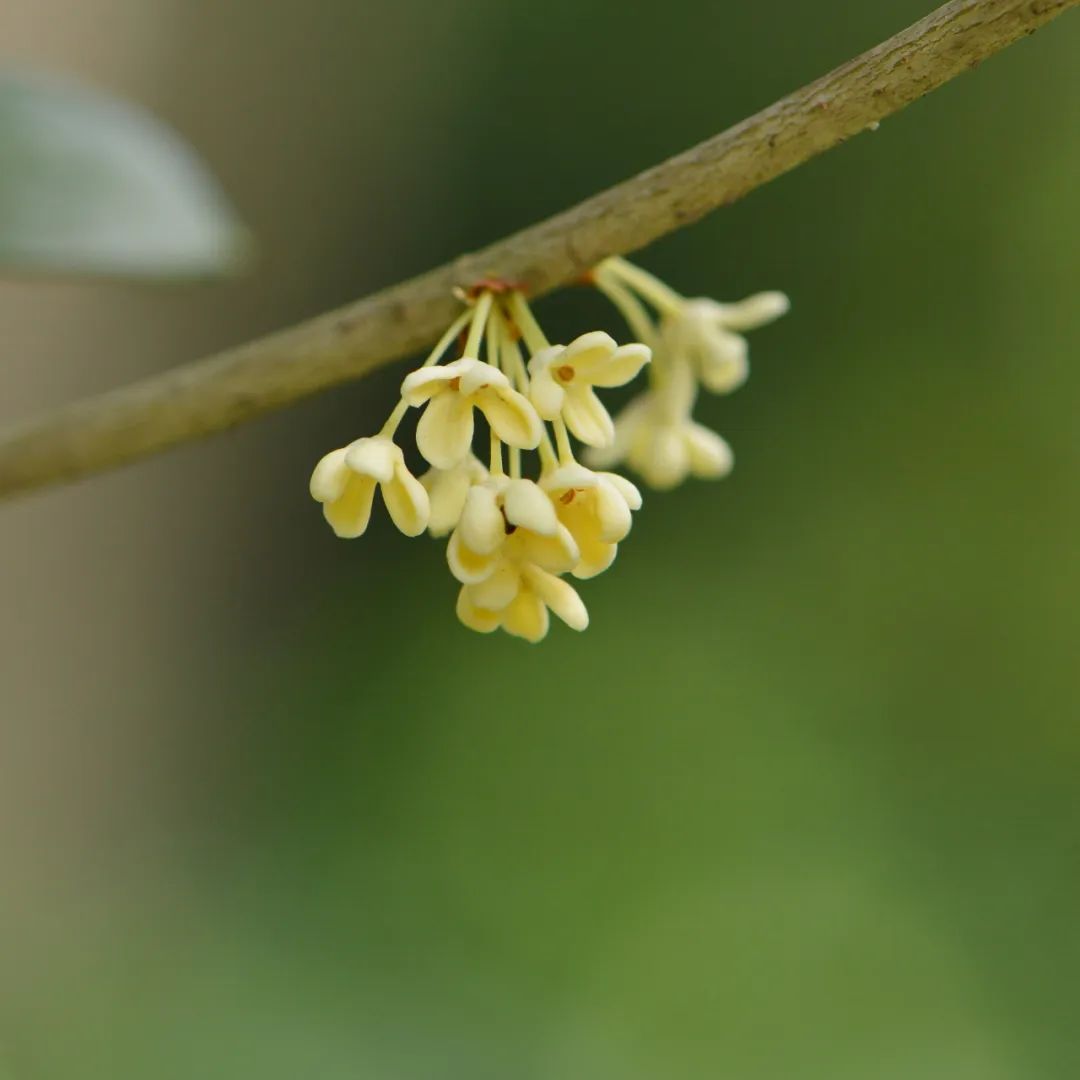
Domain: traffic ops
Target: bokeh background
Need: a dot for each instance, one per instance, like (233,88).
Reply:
(803,800)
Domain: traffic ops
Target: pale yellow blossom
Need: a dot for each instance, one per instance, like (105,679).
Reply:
(451,391)
(562,378)
(344,482)
(663,448)
(596,509)
(507,550)
(526,615)
(707,334)
(508,520)
(447,490)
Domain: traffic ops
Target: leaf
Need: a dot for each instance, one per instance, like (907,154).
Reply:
(91,185)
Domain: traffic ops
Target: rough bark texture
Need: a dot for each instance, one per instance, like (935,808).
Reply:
(218,392)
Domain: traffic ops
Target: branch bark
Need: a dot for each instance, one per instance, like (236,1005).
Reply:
(221,391)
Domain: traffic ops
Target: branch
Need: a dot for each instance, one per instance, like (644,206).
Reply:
(236,385)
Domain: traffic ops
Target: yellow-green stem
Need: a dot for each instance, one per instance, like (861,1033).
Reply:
(562,439)
(661,295)
(514,363)
(629,306)
(479,321)
(496,333)
(527,324)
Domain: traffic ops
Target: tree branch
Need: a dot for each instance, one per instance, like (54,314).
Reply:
(218,392)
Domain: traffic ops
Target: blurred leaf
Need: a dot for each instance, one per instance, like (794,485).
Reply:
(93,185)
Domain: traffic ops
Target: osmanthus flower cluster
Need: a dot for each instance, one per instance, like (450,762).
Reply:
(695,343)
(515,540)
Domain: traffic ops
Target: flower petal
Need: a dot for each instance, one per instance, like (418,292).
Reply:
(482,526)
(330,476)
(625,488)
(350,513)
(424,383)
(375,457)
(612,512)
(497,591)
(596,557)
(722,362)
(627,425)
(560,596)
(544,391)
(468,566)
(662,457)
(528,507)
(587,418)
(568,476)
(445,431)
(407,502)
(511,416)
(755,311)
(477,376)
(709,455)
(558,553)
(526,617)
(589,353)
(447,490)
(622,366)
(474,617)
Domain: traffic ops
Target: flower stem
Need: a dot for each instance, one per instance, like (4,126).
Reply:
(630,307)
(479,320)
(514,366)
(496,335)
(527,324)
(662,296)
(562,438)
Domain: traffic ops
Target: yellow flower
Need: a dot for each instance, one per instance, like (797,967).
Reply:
(706,333)
(508,520)
(447,490)
(512,541)
(507,550)
(344,482)
(452,391)
(595,508)
(526,615)
(664,448)
(562,378)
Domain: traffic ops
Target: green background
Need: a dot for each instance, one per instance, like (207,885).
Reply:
(802,801)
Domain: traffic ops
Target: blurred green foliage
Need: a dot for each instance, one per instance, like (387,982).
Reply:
(802,801)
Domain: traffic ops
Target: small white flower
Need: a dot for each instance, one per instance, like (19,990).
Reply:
(707,334)
(562,380)
(344,482)
(447,490)
(595,508)
(663,448)
(452,391)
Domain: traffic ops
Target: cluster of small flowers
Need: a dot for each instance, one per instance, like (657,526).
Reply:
(512,540)
(695,343)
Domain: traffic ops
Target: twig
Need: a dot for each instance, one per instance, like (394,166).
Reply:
(218,392)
